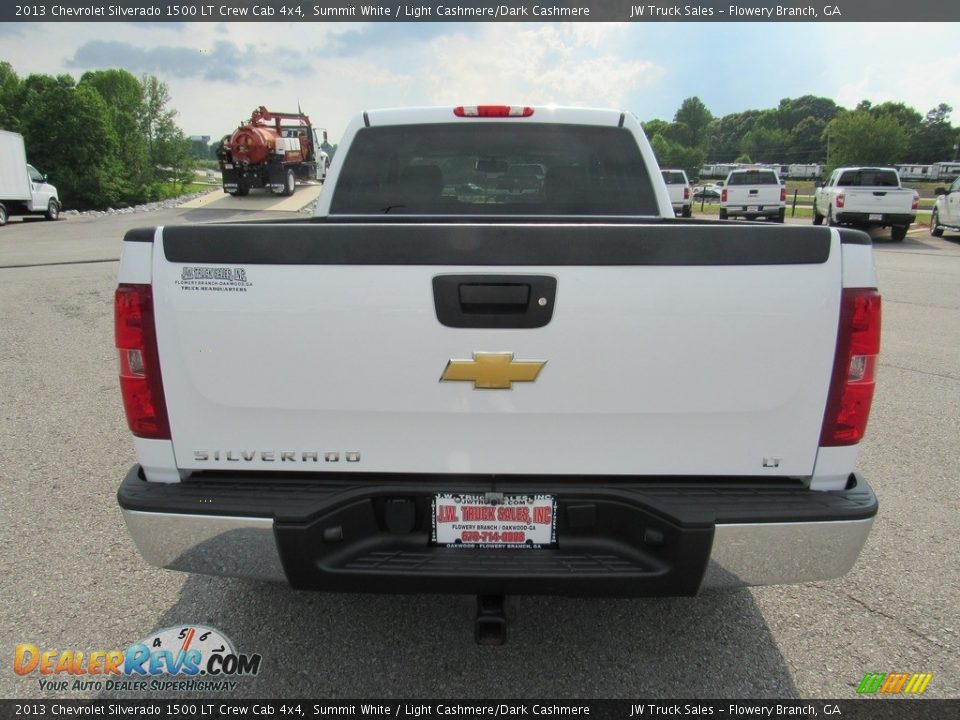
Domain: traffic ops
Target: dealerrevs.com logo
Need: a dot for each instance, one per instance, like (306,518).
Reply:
(191,658)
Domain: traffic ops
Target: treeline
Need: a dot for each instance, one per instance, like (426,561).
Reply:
(108,139)
(807,129)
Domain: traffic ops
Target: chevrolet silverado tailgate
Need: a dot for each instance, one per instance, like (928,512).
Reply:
(891,201)
(661,348)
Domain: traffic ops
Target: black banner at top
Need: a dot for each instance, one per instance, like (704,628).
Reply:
(482,11)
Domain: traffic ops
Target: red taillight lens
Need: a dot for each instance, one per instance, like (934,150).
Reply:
(854,368)
(498,111)
(916,202)
(723,195)
(140,383)
(686,193)
(840,200)
(783,193)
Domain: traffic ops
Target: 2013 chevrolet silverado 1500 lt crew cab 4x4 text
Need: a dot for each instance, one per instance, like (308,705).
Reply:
(432,386)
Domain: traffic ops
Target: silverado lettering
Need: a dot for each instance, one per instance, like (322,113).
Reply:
(272,456)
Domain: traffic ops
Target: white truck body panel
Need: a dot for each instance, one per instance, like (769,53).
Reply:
(948,206)
(341,358)
(14,181)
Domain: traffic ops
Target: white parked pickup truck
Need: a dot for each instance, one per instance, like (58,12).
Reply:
(753,193)
(946,211)
(432,386)
(864,197)
(23,189)
(678,188)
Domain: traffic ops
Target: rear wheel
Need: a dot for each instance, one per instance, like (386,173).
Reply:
(781,216)
(3,216)
(686,212)
(817,217)
(936,229)
(53,210)
(898,232)
(290,184)
(723,214)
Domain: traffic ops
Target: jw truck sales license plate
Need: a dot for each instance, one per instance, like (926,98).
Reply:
(513,521)
(876,216)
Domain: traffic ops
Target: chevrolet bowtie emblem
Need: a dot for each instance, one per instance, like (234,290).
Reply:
(493,370)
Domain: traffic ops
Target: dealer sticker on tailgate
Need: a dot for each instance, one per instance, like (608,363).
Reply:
(513,521)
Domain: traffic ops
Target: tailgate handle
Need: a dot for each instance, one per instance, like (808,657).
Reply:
(494,301)
(494,298)
(880,193)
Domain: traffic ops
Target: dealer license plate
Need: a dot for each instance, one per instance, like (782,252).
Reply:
(753,208)
(228,166)
(876,216)
(479,521)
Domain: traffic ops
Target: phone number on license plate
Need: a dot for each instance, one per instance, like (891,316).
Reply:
(520,521)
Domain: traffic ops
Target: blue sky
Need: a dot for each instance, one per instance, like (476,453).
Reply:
(217,73)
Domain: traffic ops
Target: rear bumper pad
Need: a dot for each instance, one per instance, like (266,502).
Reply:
(862,218)
(616,536)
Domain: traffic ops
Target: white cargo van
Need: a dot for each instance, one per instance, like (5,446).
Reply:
(23,189)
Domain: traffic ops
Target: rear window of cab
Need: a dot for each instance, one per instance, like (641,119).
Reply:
(753,177)
(494,168)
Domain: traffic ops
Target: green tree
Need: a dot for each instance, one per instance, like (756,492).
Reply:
(168,149)
(766,144)
(743,159)
(652,127)
(806,141)
(791,112)
(723,135)
(695,117)
(68,134)
(935,137)
(9,86)
(674,155)
(859,138)
(123,94)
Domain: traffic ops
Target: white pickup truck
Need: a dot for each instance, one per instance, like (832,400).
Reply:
(865,197)
(946,211)
(678,188)
(23,189)
(435,387)
(753,193)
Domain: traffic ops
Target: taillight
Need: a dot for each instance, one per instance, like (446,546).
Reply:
(140,383)
(916,202)
(492,111)
(783,193)
(854,368)
(686,193)
(839,200)
(723,195)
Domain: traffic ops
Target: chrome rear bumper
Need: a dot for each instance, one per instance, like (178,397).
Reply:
(741,554)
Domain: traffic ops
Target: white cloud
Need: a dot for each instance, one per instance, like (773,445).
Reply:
(884,65)
(563,64)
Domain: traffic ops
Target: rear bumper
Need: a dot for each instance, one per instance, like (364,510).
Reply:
(861,218)
(616,537)
(761,211)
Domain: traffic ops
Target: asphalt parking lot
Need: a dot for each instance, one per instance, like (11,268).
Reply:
(72,579)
